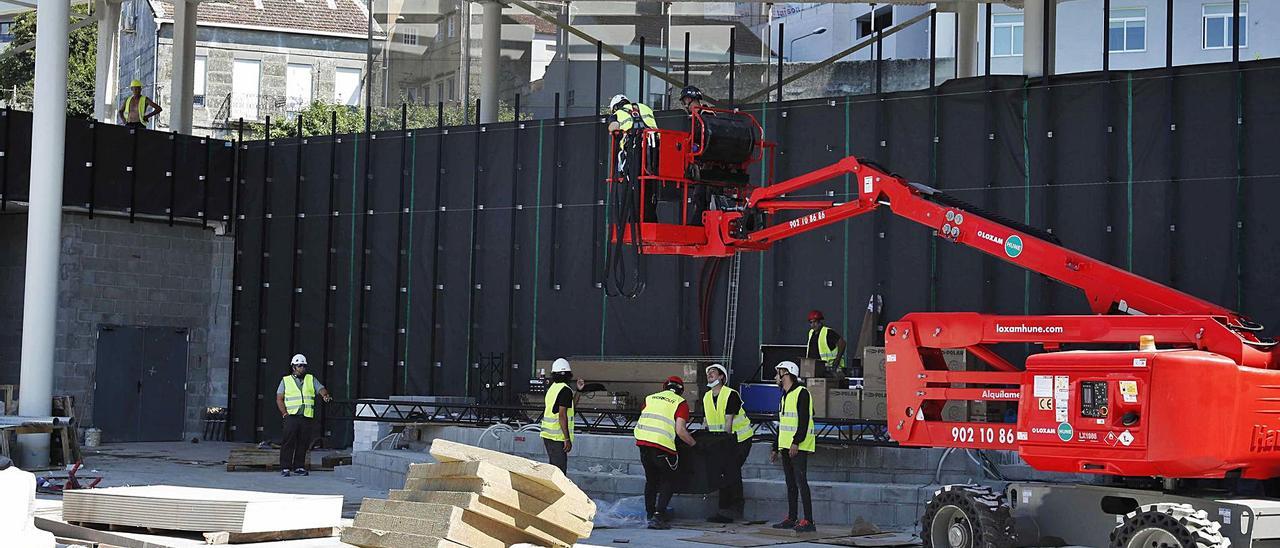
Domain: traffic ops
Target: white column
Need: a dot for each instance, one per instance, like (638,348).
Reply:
(108,57)
(44,226)
(490,54)
(184,63)
(1033,37)
(966,39)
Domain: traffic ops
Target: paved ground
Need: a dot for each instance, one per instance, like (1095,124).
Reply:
(204,465)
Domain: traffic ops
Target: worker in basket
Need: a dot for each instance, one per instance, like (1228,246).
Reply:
(664,417)
(723,409)
(631,119)
(557,414)
(691,100)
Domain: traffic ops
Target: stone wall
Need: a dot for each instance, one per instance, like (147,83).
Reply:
(114,272)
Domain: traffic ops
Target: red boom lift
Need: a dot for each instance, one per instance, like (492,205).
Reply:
(1181,440)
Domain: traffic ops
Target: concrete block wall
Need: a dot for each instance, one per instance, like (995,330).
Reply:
(134,274)
(886,485)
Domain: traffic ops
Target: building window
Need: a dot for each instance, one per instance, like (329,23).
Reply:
(453,26)
(245,74)
(453,89)
(1218,27)
(409,36)
(197,93)
(6,31)
(1127,30)
(569,99)
(346,86)
(869,23)
(1006,34)
(298,86)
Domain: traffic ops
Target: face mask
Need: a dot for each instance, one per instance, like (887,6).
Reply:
(713,384)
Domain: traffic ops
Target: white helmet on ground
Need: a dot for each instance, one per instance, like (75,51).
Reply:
(561,365)
(617,101)
(298,359)
(723,372)
(789,367)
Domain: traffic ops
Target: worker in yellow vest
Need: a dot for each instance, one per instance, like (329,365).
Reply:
(137,108)
(826,344)
(722,407)
(296,398)
(664,418)
(795,443)
(557,414)
(630,119)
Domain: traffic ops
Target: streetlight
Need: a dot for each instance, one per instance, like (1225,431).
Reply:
(813,32)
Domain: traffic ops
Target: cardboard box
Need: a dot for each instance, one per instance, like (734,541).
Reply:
(874,361)
(874,405)
(843,403)
(810,368)
(818,389)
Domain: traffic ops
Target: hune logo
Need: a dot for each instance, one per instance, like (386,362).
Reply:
(1013,246)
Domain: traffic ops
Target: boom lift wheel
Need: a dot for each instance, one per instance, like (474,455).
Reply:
(967,516)
(1168,525)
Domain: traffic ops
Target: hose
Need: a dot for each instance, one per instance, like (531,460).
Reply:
(625,201)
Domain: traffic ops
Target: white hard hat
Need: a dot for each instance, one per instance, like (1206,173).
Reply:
(617,101)
(723,372)
(561,365)
(298,359)
(789,367)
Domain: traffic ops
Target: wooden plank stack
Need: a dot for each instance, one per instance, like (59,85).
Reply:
(168,507)
(256,458)
(478,498)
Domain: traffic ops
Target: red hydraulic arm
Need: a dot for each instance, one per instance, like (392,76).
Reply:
(1107,288)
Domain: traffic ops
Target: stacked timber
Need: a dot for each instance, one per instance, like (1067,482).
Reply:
(477,498)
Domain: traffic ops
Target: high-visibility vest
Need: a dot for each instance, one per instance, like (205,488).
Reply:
(627,116)
(715,415)
(550,419)
(140,104)
(826,353)
(657,422)
(789,421)
(304,398)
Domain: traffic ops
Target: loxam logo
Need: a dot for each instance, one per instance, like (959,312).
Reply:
(991,238)
(810,218)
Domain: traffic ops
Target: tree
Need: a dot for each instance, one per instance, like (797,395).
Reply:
(18,71)
(317,119)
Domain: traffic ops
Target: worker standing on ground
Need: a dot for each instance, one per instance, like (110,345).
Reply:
(723,408)
(795,444)
(825,344)
(665,417)
(296,398)
(557,414)
(137,109)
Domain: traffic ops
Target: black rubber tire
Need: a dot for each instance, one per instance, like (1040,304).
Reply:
(991,525)
(1192,528)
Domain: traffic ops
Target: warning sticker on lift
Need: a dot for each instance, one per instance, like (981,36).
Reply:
(1126,438)
(1129,391)
(1061,395)
(1111,439)
(1043,386)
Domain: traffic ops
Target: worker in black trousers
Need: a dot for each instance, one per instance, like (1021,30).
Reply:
(296,399)
(663,420)
(795,443)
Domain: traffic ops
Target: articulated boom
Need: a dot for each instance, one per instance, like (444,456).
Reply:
(1204,405)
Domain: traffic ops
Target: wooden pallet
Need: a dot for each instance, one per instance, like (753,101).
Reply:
(253,458)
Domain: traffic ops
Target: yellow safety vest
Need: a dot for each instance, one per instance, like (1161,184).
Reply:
(826,353)
(715,415)
(551,420)
(626,117)
(789,421)
(140,105)
(657,422)
(304,398)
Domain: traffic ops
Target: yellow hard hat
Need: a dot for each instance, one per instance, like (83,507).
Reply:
(135,84)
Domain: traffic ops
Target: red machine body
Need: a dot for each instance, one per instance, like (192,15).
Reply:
(1205,404)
